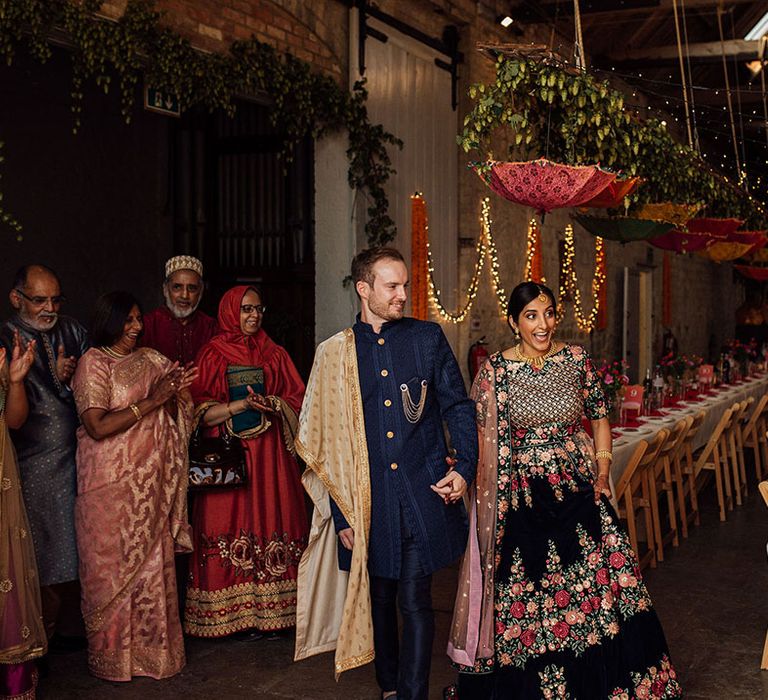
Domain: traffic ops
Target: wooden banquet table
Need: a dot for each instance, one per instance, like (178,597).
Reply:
(713,405)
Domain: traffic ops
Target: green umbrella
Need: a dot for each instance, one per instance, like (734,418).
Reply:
(623,228)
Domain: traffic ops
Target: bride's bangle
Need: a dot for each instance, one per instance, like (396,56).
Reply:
(604,454)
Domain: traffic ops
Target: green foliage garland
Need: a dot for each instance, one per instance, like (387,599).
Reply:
(137,46)
(575,119)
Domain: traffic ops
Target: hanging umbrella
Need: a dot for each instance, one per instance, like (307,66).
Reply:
(758,239)
(738,244)
(753,272)
(677,214)
(622,228)
(760,256)
(544,185)
(613,195)
(716,227)
(679,241)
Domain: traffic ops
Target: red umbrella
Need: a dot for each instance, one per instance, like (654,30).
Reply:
(680,241)
(753,272)
(613,195)
(716,227)
(544,185)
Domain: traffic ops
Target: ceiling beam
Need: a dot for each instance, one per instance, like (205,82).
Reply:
(709,50)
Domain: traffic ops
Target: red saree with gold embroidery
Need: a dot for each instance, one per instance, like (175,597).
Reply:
(130,517)
(248,540)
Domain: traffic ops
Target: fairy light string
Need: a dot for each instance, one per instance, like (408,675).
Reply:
(485,248)
(569,285)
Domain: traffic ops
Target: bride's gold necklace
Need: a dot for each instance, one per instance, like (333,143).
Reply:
(535,362)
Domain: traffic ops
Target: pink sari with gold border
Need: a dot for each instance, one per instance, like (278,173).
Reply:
(130,516)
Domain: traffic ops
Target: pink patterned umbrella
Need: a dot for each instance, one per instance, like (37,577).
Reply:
(544,185)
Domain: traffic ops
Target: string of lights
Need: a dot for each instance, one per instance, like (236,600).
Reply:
(569,283)
(434,293)
(532,272)
(484,248)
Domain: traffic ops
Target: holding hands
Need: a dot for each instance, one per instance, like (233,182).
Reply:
(452,486)
(21,359)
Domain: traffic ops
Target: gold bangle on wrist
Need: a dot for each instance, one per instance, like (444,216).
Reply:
(136,411)
(604,454)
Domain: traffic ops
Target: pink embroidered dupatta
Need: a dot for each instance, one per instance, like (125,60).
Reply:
(471,641)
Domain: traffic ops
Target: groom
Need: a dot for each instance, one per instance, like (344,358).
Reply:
(371,432)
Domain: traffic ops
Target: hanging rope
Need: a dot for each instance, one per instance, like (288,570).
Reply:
(761,56)
(682,74)
(690,77)
(728,90)
(738,107)
(580,56)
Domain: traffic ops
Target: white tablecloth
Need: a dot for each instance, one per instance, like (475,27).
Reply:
(713,406)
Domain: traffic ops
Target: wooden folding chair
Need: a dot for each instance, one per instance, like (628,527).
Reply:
(685,475)
(660,482)
(633,495)
(754,434)
(713,457)
(737,446)
(763,487)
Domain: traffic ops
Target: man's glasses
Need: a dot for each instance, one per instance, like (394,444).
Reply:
(41,301)
(251,309)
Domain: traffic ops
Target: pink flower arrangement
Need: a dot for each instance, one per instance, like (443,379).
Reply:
(613,378)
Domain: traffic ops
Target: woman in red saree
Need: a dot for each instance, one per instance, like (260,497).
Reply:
(130,512)
(248,540)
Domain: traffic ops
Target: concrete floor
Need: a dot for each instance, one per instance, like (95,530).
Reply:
(710,594)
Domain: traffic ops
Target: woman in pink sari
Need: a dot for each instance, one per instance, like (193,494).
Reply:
(130,512)
(22,637)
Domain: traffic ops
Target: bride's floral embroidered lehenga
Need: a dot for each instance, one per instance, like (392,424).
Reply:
(551,602)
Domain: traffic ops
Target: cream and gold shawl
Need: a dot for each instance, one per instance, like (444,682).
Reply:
(333,606)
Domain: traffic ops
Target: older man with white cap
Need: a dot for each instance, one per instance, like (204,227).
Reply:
(179,329)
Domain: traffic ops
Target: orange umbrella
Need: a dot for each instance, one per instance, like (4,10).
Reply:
(676,214)
(613,195)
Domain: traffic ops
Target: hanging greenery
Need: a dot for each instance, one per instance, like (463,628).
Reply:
(138,46)
(571,117)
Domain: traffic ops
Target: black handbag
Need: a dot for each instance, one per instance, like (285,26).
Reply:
(216,461)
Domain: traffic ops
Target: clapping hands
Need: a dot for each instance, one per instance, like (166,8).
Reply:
(65,366)
(174,381)
(21,359)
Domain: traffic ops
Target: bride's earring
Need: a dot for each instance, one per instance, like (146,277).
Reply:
(515,331)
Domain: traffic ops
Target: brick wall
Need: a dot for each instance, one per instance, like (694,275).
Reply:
(312,31)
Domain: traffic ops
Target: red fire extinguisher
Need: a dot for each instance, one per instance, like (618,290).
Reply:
(478,353)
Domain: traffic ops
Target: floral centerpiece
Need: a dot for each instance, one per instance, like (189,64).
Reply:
(613,379)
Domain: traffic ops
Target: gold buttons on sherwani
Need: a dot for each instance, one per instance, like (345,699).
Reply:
(387,403)
(380,341)
(393,466)
(384,373)
(390,434)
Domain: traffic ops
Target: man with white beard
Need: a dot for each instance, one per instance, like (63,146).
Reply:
(178,329)
(46,443)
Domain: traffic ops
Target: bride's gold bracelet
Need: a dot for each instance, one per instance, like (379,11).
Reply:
(604,454)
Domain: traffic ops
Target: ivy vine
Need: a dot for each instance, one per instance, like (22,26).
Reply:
(573,118)
(138,46)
